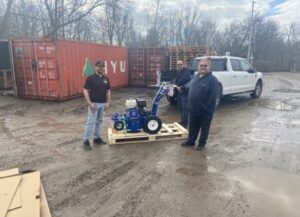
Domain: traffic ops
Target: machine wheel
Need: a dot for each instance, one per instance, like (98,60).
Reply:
(258,90)
(152,125)
(119,125)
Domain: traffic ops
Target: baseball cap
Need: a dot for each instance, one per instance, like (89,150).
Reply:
(100,63)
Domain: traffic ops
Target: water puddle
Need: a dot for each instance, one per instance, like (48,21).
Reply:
(286,91)
(276,105)
(3,128)
(269,192)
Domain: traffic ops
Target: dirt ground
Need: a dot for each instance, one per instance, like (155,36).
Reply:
(250,167)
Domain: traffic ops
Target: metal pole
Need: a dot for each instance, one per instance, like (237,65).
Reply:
(250,35)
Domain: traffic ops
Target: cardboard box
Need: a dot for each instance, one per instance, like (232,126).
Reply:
(22,194)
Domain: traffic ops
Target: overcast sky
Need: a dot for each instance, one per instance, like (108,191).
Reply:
(284,12)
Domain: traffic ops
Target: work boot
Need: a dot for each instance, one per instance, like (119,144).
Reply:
(187,143)
(86,145)
(199,147)
(99,141)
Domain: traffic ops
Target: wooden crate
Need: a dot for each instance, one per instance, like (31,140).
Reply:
(167,132)
(186,54)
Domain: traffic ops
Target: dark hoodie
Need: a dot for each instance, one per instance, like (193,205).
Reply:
(203,93)
(182,78)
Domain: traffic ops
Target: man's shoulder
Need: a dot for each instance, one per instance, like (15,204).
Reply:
(185,69)
(90,77)
(105,77)
(213,78)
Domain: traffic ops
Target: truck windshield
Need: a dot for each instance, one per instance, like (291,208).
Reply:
(216,65)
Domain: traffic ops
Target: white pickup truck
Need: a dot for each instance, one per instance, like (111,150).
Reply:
(235,76)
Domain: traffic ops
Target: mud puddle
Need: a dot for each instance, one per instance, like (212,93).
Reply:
(286,91)
(276,105)
(3,128)
(270,192)
(190,171)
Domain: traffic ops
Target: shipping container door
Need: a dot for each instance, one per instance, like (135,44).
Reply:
(46,69)
(137,66)
(35,69)
(6,68)
(25,76)
(155,62)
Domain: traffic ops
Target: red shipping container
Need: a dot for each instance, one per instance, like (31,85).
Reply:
(137,67)
(155,62)
(52,70)
(144,64)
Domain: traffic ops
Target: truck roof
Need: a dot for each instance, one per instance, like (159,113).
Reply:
(217,57)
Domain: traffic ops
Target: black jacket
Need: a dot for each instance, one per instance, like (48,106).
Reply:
(182,78)
(202,95)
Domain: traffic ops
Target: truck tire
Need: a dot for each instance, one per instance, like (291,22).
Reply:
(258,90)
(152,125)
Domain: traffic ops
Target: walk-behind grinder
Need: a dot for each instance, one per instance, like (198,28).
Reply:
(136,116)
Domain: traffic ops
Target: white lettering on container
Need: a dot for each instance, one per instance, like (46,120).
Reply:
(113,64)
(122,66)
(106,70)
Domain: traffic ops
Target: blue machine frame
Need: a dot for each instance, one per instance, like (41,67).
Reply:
(137,118)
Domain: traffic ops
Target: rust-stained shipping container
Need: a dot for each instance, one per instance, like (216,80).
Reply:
(144,64)
(137,65)
(155,62)
(52,70)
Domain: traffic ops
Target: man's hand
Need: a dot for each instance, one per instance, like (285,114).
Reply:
(93,107)
(107,105)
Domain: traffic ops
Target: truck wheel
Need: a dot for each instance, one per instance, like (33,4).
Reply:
(119,125)
(258,90)
(152,125)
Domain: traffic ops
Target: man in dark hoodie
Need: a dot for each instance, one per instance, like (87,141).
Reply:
(182,78)
(203,92)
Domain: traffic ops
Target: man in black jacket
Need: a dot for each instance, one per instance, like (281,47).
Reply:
(203,92)
(182,78)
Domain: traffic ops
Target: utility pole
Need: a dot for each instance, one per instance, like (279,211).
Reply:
(249,55)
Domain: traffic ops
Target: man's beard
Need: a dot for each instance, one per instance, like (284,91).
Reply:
(99,72)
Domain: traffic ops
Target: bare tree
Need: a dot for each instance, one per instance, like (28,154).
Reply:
(26,20)
(152,37)
(4,21)
(292,42)
(205,33)
(62,13)
(122,27)
(115,20)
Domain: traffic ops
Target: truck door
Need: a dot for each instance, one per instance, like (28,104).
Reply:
(239,83)
(249,75)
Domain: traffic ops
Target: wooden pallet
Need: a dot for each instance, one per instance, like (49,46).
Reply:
(167,132)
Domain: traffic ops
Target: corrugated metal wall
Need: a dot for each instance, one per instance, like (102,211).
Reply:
(52,70)
(137,64)
(144,64)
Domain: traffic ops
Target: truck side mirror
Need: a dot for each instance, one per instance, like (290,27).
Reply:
(251,70)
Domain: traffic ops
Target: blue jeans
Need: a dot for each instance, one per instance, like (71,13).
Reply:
(94,118)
